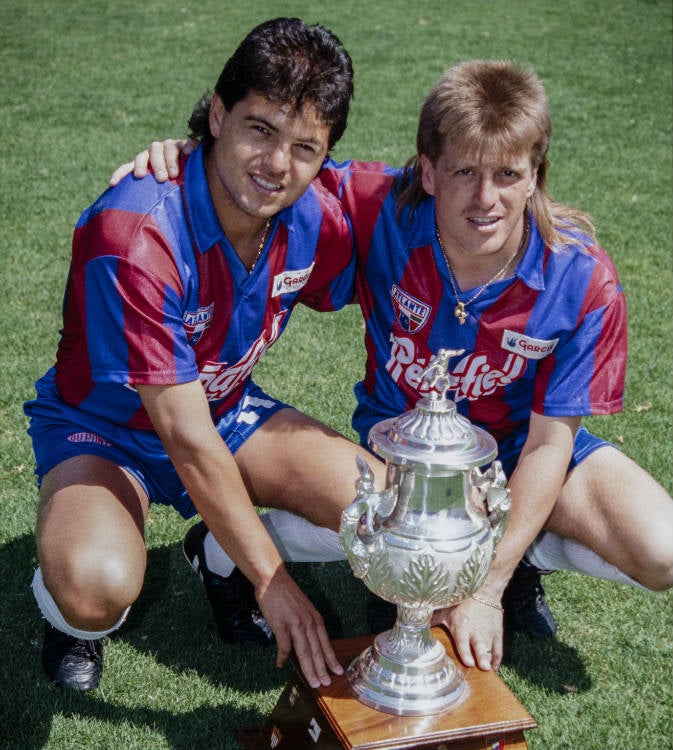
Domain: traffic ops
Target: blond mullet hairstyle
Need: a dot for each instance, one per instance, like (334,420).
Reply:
(494,107)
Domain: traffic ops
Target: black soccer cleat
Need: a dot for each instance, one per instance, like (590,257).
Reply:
(72,662)
(231,598)
(526,609)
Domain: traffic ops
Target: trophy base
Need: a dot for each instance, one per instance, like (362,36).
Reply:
(428,684)
(330,718)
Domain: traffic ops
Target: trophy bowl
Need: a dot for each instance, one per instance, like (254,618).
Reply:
(425,542)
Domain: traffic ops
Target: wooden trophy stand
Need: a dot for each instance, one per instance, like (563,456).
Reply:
(487,717)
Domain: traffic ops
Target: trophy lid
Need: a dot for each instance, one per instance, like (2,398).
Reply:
(434,435)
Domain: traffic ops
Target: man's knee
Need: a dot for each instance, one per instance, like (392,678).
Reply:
(92,590)
(655,561)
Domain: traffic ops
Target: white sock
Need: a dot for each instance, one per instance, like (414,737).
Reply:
(553,552)
(52,613)
(299,540)
(217,560)
(296,539)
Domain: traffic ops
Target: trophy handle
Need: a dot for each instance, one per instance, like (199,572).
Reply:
(490,488)
(361,520)
(498,501)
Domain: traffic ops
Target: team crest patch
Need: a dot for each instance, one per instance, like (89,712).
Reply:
(411,313)
(526,346)
(197,321)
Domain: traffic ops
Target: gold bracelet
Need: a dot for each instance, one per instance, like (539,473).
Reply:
(487,602)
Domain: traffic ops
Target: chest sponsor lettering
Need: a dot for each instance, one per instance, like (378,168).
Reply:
(472,377)
(219,379)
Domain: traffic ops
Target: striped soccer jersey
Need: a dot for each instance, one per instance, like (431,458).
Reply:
(551,339)
(156,295)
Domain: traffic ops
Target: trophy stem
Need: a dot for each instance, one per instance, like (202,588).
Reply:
(406,672)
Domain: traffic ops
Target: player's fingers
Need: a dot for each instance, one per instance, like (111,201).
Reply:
(156,157)
(463,648)
(483,654)
(284,646)
(120,173)
(328,651)
(498,653)
(171,153)
(308,659)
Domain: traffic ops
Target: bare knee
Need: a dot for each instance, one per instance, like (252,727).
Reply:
(655,561)
(90,540)
(615,507)
(93,590)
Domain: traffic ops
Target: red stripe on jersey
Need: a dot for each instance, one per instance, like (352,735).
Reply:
(364,215)
(277,260)
(146,271)
(610,351)
(216,287)
(511,311)
(333,253)
(73,353)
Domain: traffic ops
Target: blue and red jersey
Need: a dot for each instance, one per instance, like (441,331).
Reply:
(156,294)
(551,339)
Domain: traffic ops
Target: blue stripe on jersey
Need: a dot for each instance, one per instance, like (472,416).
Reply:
(104,321)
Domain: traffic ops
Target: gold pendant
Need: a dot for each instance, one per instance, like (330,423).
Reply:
(459,312)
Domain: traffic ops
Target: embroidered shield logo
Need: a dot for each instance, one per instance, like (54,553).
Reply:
(411,313)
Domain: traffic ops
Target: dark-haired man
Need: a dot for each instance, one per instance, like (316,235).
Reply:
(175,291)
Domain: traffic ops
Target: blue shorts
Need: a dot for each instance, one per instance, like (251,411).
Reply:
(60,431)
(585,444)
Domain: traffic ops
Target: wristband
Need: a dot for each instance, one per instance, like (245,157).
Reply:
(487,602)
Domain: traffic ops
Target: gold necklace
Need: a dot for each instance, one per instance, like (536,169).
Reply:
(262,242)
(459,309)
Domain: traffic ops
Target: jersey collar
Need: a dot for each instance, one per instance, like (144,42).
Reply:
(531,267)
(206,227)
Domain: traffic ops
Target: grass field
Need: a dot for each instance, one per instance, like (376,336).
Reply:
(84,86)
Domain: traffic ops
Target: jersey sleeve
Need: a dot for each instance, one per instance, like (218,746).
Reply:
(331,284)
(586,374)
(132,300)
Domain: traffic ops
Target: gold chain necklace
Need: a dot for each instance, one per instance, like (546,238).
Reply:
(459,309)
(262,242)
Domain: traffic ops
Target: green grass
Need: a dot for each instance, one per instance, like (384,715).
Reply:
(85,85)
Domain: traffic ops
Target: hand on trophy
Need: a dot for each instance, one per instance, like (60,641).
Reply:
(297,625)
(476,628)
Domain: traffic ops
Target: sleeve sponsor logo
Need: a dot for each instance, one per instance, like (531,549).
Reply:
(197,321)
(526,346)
(411,313)
(290,281)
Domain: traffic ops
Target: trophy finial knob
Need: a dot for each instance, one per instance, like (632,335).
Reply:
(436,376)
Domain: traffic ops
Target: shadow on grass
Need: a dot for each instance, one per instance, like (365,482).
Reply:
(547,663)
(171,624)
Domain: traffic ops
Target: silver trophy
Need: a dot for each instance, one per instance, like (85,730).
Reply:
(423,543)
